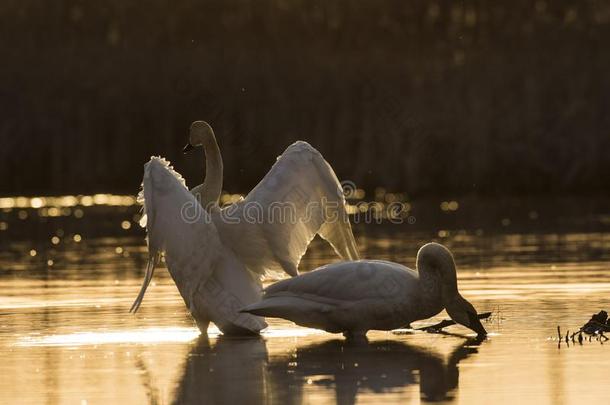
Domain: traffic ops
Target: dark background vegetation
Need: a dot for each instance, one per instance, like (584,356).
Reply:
(427,97)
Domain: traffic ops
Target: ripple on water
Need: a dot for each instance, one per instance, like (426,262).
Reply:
(66,334)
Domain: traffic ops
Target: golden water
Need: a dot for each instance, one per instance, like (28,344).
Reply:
(66,335)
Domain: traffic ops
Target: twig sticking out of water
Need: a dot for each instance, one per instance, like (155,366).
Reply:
(591,328)
(595,327)
(448,322)
(578,332)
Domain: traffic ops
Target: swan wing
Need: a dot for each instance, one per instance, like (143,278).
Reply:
(298,198)
(212,282)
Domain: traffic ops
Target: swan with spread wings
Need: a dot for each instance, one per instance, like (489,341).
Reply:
(216,255)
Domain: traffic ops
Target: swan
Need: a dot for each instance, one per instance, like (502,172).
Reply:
(357,296)
(216,255)
(270,229)
(212,281)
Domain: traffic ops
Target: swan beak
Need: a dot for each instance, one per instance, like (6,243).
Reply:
(188,148)
(475,324)
(462,312)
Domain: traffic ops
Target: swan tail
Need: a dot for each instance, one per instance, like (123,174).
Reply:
(274,307)
(288,307)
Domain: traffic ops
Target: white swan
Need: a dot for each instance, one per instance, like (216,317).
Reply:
(212,281)
(271,228)
(268,230)
(358,296)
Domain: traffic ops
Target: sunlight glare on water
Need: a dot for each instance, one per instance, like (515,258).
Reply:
(148,335)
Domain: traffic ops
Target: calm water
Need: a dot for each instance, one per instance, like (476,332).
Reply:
(66,335)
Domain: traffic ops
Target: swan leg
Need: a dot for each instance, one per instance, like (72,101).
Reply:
(203,325)
(355,335)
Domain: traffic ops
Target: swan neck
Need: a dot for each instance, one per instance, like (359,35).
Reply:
(212,185)
(439,284)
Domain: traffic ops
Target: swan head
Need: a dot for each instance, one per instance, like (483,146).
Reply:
(200,133)
(464,313)
(436,259)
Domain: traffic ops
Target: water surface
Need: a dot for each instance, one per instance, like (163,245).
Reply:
(66,335)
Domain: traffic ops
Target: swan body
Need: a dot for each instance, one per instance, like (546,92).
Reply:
(357,296)
(211,280)
(216,256)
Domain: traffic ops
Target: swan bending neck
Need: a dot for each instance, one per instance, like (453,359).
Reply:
(438,286)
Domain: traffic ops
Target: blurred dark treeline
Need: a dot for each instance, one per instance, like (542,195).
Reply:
(428,97)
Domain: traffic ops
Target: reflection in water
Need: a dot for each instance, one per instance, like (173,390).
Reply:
(238,371)
(231,371)
(378,367)
(66,336)
(148,382)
